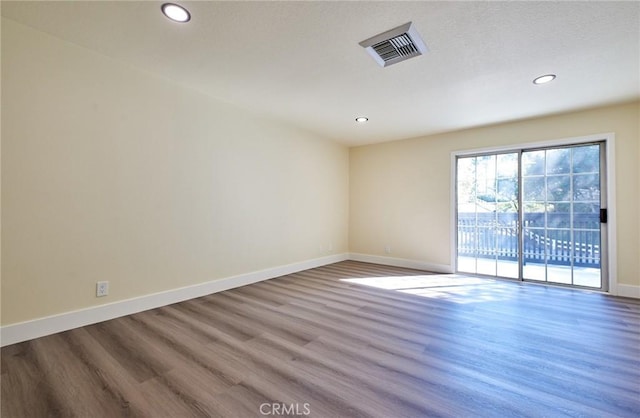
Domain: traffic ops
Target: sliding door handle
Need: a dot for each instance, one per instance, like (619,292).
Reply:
(603,216)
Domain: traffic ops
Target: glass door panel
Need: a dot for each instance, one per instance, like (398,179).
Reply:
(487,215)
(561,223)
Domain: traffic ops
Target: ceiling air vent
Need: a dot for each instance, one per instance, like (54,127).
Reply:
(395,45)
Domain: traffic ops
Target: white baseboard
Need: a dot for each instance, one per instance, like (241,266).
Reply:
(23,331)
(628,291)
(401,262)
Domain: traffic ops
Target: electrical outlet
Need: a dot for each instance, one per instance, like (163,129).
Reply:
(387,249)
(102,289)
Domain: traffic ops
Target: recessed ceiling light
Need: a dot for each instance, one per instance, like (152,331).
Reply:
(544,79)
(176,13)
(362,119)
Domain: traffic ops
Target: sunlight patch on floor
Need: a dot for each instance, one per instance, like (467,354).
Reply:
(453,287)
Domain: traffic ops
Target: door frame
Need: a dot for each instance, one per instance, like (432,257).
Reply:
(609,264)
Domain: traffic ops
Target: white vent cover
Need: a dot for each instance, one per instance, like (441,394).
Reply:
(395,45)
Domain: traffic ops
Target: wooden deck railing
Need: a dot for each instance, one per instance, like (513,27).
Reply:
(490,235)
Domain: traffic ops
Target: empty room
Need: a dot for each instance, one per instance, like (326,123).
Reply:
(320,208)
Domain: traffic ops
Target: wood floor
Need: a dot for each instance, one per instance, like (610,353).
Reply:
(322,343)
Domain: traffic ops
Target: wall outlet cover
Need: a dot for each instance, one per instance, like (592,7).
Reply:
(102,289)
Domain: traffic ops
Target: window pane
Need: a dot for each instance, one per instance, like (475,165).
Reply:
(534,215)
(559,207)
(534,248)
(487,265)
(533,163)
(466,264)
(467,240)
(586,159)
(507,190)
(534,270)
(533,188)
(507,268)
(558,248)
(587,276)
(558,161)
(559,188)
(586,187)
(587,246)
(559,274)
(507,165)
(586,207)
(558,220)
(486,178)
(586,220)
(466,182)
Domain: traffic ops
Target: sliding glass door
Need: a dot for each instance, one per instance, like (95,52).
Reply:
(532,214)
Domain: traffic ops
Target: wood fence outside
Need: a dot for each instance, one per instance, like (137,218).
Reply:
(491,235)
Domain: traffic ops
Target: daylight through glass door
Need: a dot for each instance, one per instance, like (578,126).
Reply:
(532,215)
(488,215)
(561,214)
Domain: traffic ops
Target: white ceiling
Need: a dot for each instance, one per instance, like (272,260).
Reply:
(300,62)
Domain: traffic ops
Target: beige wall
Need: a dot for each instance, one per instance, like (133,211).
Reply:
(110,173)
(400,191)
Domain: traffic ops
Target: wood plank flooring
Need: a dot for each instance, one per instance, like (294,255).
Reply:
(346,340)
